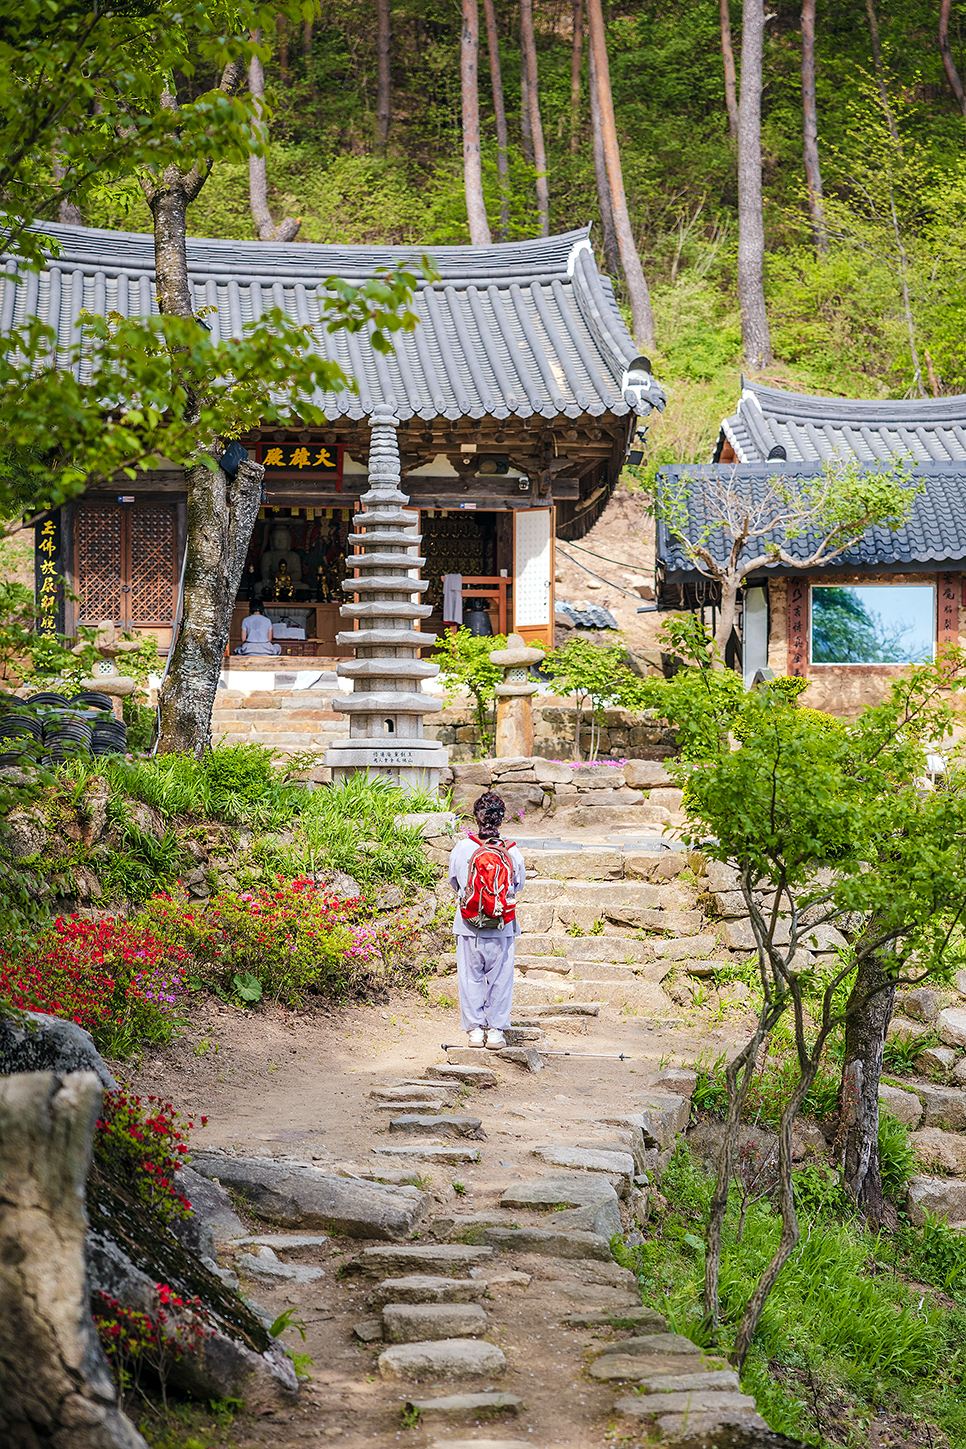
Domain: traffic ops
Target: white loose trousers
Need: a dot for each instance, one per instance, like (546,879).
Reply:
(484,972)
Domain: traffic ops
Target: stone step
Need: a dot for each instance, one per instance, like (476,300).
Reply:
(435,1259)
(563,1244)
(598,863)
(648,1343)
(407,1092)
(451,1358)
(424,1288)
(609,817)
(641,995)
(430,1152)
(697,1401)
(430,1322)
(605,893)
(425,1105)
(455,1408)
(556,1190)
(481,1076)
(448,1126)
(535,993)
(639,1317)
(719,1380)
(617,1167)
(626,950)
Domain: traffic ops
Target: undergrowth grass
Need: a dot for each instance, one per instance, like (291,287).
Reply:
(844,1328)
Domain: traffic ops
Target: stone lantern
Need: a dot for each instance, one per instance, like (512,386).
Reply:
(514,715)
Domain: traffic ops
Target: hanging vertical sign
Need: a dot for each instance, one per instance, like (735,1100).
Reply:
(49,575)
(797,627)
(948,609)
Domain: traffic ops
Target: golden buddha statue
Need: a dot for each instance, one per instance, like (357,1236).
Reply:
(284,583)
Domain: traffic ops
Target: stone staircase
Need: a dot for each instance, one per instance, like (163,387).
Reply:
(287,720)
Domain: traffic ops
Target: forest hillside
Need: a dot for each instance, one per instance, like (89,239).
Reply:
(360,162)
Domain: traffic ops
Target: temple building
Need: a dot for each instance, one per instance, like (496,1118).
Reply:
(889,601)
(517,398)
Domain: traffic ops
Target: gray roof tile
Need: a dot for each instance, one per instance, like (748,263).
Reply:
(814,428)
(935,534)
(519,328)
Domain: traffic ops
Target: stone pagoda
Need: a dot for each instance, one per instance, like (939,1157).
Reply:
(386,706)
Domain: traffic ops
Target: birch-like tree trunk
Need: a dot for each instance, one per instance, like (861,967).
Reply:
(307,37)
(383,86)
(526,130)
(813,170)
(499,111)
(472,163)
(728,61)
(949,65)
(870,1003)
(637,293)
(221,511)
(576,64)
(755,335)
(612,256)
(528,46)
(287,228)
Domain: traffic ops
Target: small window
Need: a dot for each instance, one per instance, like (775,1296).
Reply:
(873,623)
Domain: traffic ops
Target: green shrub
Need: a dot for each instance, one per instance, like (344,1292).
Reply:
(897,1155)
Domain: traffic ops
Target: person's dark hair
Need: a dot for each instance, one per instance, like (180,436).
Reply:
(256,607)
(489,811)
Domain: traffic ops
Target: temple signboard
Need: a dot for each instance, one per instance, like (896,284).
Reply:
(48,576)
(312,460)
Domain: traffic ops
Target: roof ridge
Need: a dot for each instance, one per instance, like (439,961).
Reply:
(800,404)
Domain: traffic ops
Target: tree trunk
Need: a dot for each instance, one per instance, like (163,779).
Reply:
(755,336)
(612,259)
(870,1010)
(813,172)
(55,1385)
(287,229)
(383,91)
(281,35)
(728,59)
(637,293)
(528,46)
(576,62)
(472,165)
(949,65)
(221,516)
(499,111)
(526,130)
(879,71)
(307,57)
(727,610)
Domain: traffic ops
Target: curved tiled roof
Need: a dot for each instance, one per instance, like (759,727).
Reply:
(520,328)
(934,536)
(810,429)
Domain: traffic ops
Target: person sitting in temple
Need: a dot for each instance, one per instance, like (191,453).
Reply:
(256,632)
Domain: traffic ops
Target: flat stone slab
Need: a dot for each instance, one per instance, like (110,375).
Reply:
(302,1196)
(471,1076)
(451,1358)
(436,1258)
(429,1153)
(714,1431)
(638,1317)
(942,1106)
(283,1242)
(565,1008)
(565,1244)
(422,1105)
(567,1190)
(468,1406)
(426,1322)
(690,946)
(368,1330)
(418,1124)
(618,1167)
(632,1367)
(945,1196)
(522,1056)
(653,1343)
(424,1288)
(719,1380)
(407,1092)
(272,1271)
(500,1278)
(698,1401)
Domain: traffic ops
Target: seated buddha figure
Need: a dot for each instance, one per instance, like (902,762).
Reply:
(281,567)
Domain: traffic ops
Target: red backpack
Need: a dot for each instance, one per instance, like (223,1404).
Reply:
(487,900)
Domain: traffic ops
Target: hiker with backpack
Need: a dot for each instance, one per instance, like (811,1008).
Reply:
(487,874)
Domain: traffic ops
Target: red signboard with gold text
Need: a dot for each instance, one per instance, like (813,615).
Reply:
(320,462)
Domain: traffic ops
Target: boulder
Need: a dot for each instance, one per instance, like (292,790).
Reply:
(937,1061)
(942,1106)
(49,1044)
(951,1026)
(939,1151)
(24,835)
(553,772)
(921,1004)
(301,1196)
(721,878)
(942,1195)
(901,1029)
(566,1243)
(646,774)
(451,1358)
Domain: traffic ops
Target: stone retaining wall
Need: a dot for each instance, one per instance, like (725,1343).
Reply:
(602,794)
(623,734)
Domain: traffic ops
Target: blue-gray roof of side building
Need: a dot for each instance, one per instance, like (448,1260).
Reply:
(521,328)
(934,538)
(811,429)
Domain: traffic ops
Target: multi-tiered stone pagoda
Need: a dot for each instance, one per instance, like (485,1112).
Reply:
(386,706)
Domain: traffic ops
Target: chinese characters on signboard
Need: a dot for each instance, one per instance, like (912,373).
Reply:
(797,627)
(948,599)
(301,458)
(48,575)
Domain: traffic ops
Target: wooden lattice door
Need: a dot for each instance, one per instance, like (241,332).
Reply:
(125,563)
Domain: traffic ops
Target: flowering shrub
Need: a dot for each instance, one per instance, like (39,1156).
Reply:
(289,940)
(134,1340)
(112,977)
(144,1143)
